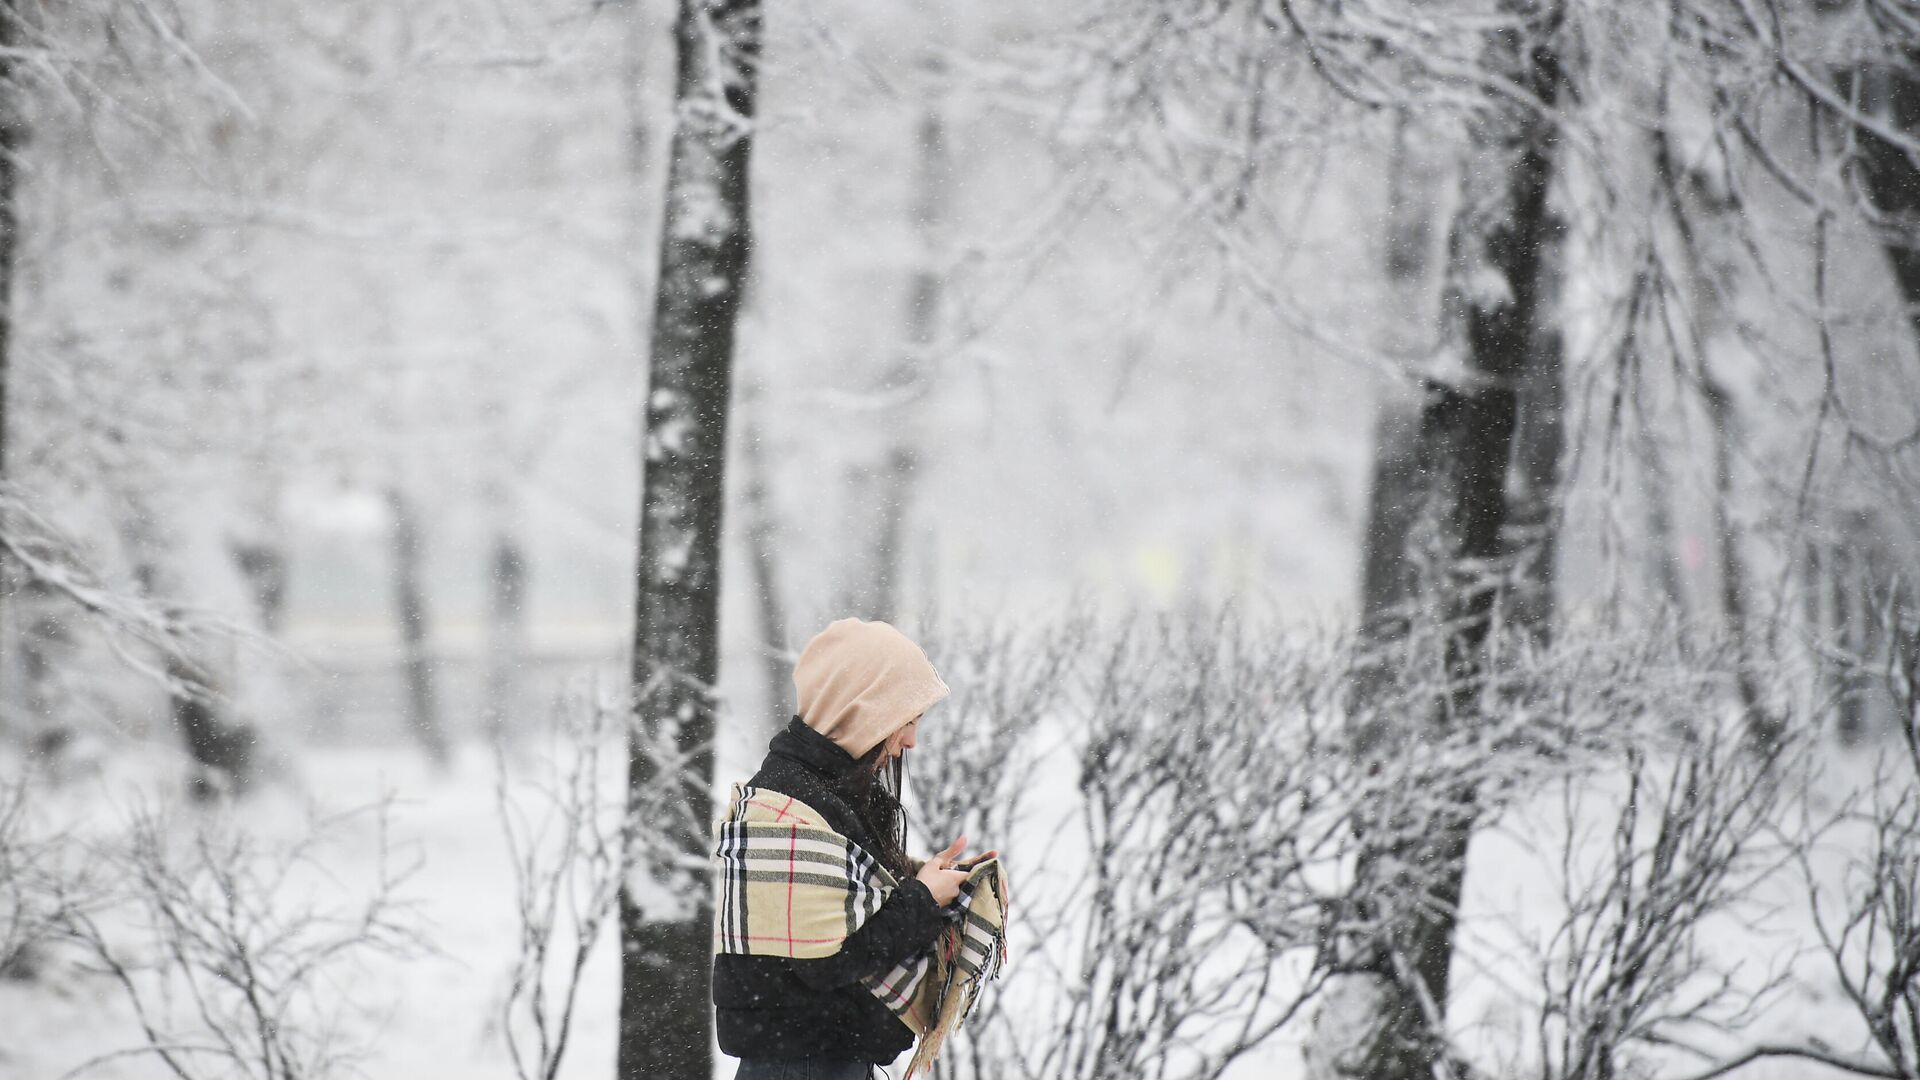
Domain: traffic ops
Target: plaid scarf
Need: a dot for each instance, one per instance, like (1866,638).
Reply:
(788,885)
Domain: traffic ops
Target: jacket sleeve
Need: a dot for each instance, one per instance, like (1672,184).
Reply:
(905,924)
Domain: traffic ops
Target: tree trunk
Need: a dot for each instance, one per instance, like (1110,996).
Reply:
(1851,626)
(1662,539)
(911,373)
(1387,578)
(1859,602)
(221,748)
(410,608)
(762,535)
(506,631)
(665,1017)
(1380,1018)
(1388,583)
(45,644)
(263,563)
(1705,288)
(1892,179)
(1764,727)
(13,137)
(1531,541)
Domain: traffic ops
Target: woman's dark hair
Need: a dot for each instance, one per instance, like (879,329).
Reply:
(873,790)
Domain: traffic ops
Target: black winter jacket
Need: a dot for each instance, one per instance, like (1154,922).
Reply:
(770,1006)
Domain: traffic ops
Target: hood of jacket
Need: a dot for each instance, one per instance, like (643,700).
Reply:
(859,682)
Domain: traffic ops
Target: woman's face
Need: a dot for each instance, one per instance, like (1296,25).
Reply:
(902,741)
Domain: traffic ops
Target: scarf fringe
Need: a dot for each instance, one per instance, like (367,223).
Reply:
(951,1010)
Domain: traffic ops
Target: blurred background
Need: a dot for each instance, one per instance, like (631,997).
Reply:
(326,389)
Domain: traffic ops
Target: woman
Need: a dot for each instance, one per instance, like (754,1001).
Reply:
(863,687)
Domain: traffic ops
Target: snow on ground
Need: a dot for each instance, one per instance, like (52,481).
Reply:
(437,1015)
(433,1015)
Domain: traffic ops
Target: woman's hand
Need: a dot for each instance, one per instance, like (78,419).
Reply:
(940,878)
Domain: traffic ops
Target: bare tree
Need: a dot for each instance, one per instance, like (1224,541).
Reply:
(1868,922)
(665,1022)
(220,745)
(412,617)
(571,845)
(1176,883)
(13,137)
(1531,538)
(1624,973)
(43,882)
(1691,313)
(218,946)
(890,486)
(136,624)
(1202,810)
(13,132)
(1393,495)
(980,773)
(263,563)
(1464,446)
(760,523)
(1844,73)
(1889,92)
(508,616)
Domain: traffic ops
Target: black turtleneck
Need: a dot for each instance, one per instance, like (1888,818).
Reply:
(812,749)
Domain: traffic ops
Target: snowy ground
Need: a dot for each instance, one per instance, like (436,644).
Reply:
(437,1015)
(432,1015)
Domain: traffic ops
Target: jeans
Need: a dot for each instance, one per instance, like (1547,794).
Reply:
(807,1069)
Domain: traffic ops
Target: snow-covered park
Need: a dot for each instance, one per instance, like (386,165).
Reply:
(1414,508)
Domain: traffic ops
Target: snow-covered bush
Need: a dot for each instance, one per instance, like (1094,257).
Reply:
(571,850)
(1164,793)
(231,953)
(1185,805)
(1861,870)
(44,883)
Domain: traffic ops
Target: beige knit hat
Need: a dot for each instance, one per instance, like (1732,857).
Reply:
(860,682)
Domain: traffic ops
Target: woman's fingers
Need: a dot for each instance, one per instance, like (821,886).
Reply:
(946,859)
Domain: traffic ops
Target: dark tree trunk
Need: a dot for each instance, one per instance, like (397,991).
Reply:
(45,643)
(506,631)
(410,608)
(221,747)
(1378,1025)
(1848,634)
(1891,177)
(1860,600)
(1387,578)
(264,566)
(1532,535)
(1662,539)
(1388,583)
(1764,727)
(13,138)
(665,933)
